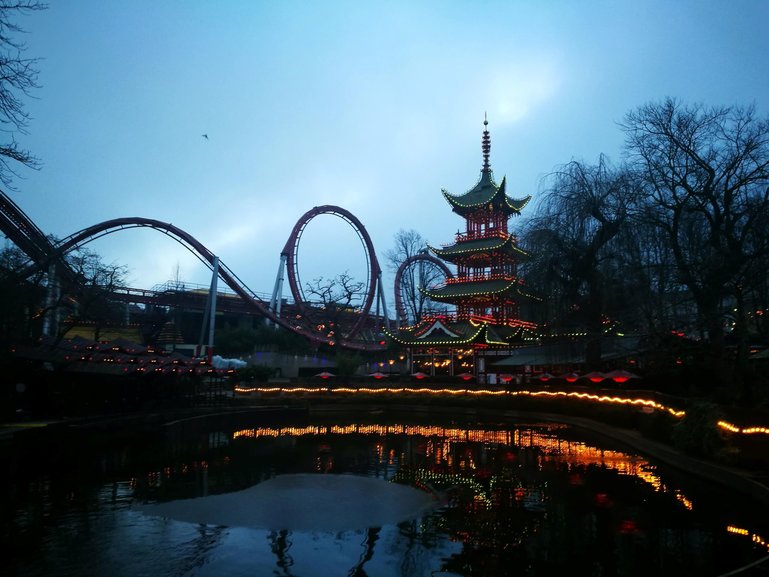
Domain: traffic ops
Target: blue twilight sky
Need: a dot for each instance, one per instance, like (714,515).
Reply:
(372,106)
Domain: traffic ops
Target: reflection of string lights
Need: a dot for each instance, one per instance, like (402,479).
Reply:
(438,449)
(683,500)
(450,434)
(429,480)
(577,452)
(755,537)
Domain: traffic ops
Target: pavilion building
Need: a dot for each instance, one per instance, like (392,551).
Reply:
(485,293)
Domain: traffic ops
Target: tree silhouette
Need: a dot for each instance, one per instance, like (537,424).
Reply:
(18,76)
(705,176)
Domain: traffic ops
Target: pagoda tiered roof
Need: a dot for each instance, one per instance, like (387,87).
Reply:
(456,289)
(444,332)
(486,192)
(464,248)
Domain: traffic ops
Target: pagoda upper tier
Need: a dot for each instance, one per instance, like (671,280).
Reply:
(486,195)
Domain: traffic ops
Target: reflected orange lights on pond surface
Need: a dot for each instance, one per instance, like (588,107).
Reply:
(439,447)
(457,458)
(754,537)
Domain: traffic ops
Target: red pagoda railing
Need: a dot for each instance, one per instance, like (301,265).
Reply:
(472,235)
(453,318)
(480,277)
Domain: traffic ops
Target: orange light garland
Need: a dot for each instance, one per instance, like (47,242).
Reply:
(640,402)
(604,399)
(743,430)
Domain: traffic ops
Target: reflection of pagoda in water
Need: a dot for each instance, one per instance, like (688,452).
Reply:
(486,291)
(535,496)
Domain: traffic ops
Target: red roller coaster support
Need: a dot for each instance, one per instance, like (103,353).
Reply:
(289,256)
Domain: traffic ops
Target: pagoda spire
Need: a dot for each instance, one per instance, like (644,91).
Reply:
(486,145)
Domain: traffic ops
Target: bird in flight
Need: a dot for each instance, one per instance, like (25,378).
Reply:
(204,136)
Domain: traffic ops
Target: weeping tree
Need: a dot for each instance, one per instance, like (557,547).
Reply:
(579,238)
(705,178)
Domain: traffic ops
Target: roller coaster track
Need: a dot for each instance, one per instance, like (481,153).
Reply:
(290,253)
(24,233)
(400,306)
(30,239)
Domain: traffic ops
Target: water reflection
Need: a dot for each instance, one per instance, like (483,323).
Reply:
(528,499)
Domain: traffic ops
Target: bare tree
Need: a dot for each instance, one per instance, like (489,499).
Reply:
(706,175)
(88,296)
(575,236)
(409,244)
(18,76)
(662,303)
(333,303)
(83,293)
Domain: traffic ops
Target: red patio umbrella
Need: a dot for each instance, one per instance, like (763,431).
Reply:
(324,375)
(466,376)
(378,375)
(594,376)
(620,376)
(569,377)
(420,375)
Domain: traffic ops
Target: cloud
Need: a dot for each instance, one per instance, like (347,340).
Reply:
(235,235)
(514,90)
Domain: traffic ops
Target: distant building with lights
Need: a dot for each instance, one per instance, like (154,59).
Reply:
(486,291)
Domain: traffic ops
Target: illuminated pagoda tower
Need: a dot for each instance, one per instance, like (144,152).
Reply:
(486,291)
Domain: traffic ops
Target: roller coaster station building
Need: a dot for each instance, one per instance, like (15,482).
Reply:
(486,292)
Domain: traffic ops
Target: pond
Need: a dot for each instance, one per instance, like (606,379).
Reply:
(504,498)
